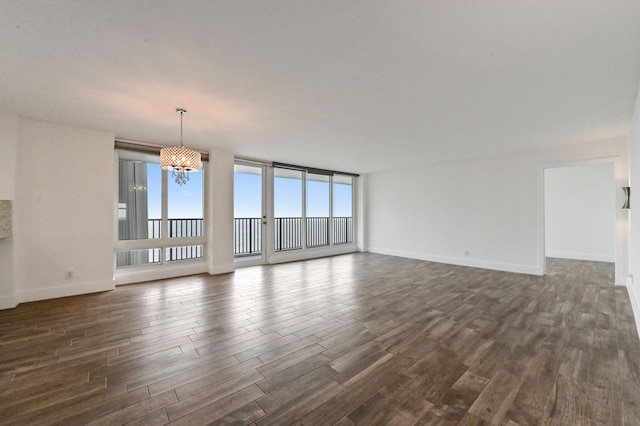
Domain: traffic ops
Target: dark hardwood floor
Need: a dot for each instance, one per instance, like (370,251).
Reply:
(355,339)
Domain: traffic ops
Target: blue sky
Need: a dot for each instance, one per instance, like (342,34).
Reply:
(183,201)
(186,201)
(288,197)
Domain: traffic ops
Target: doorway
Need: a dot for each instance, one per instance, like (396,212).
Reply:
(249,213)
(580,212)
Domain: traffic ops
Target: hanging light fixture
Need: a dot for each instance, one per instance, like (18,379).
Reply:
(180,160)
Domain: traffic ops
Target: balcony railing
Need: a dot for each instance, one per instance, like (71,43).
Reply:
(288,233)
(177,228)
(247,233)
(342,230)
(247,236)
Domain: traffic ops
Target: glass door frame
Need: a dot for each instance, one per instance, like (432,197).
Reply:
(305,251)
(265,237)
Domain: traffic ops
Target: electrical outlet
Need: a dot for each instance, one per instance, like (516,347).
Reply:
(467,252)
(68,274)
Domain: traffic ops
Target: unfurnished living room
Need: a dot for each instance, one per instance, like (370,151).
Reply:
(319,212)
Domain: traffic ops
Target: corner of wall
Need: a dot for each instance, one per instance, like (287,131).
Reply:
(221,269)
(633,232)
(8,302)
(361,213)
(9,130)
(635,302)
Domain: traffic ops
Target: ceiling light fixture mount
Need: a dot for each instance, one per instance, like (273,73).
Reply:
(180,160)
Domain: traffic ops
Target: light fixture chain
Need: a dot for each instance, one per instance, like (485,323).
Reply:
(181,116)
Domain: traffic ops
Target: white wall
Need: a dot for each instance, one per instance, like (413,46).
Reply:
(439,212)
(9,125)
(220,206)
(64,211)
(63,187)
(580,203)
(633,283)
(490,207)
(362,214)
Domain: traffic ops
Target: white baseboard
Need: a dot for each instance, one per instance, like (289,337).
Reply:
(149,273)
(221,269)
(314,253)
(8,302)
(580,256)
(473,263)
(635,302)
(63,291)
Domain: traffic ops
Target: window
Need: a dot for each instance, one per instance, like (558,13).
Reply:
(317,210)
(312,208)
(159,221)
(342,209)
(287,209)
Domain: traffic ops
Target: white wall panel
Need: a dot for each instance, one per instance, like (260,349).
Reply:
(486,212)
(580,203)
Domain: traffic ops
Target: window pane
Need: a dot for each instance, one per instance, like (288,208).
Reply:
(247,191)
(317,210)
(247,210)
(126,258)
(139,197)
(342,209)
(287,206)
(185,206)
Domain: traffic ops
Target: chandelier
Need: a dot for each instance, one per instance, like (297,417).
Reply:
(180,160)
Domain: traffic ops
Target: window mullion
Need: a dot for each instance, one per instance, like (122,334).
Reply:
(164,241)
(304,211)
(330,211)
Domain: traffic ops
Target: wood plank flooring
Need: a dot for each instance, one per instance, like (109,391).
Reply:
(356,339)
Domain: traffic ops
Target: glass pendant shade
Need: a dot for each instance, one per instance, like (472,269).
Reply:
(179,159)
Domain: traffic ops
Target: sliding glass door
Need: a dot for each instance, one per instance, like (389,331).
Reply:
(284,213)
(312,209)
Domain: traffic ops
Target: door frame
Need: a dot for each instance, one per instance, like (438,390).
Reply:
(264,226)
(622,218)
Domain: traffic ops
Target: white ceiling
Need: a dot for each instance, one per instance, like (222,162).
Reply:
(356,85)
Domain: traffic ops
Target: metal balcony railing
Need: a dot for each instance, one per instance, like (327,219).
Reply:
(247,233)
(177,228)
(342,230)
(247,236)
